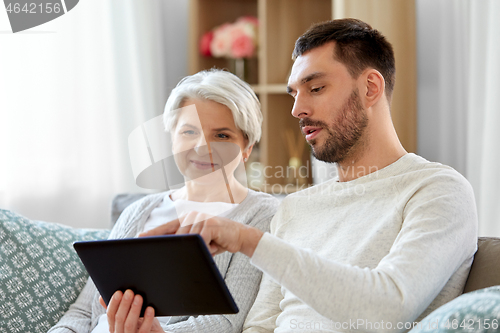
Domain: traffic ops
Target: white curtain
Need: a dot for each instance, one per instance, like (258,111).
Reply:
(483,118)
(71,92)
(458,100)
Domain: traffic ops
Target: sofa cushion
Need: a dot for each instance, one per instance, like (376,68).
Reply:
(485,270)
(40,273)
(122,201)
(477,311)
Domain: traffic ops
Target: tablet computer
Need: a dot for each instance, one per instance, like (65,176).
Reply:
(175,274)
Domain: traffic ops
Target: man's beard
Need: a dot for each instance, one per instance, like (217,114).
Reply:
(344,135)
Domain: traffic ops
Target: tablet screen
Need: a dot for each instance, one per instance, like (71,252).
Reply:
(175,274)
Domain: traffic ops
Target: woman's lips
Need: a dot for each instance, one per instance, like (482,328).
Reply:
(311,132)
(202,165)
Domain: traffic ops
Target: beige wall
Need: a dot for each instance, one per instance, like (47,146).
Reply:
(396,20)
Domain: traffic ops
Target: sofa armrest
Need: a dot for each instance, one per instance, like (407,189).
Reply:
(120,202)
(485,270)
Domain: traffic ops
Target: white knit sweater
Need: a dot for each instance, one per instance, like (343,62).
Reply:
(366,255)
(240,276)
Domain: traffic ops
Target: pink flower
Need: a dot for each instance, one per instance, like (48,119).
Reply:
(242,36)
(242,47)
(221,43)
(237,40)
(205,41)
(249,19)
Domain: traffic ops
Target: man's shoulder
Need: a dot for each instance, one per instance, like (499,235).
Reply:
(413,165)
(417,162)
(409,170)
(423,171)
(428,182)
(408,173)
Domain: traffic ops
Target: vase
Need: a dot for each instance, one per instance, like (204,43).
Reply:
(239,68)
(294,172)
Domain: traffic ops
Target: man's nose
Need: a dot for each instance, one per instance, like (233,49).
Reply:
(300,109)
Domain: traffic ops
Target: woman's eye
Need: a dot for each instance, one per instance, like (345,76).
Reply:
(189,132)
(222,136)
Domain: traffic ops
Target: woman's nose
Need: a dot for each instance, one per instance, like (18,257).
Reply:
(202,147)
(202,150)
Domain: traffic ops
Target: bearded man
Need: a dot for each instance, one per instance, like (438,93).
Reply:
(381,245)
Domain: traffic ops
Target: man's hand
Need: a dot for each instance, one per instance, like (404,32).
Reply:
(123,313)
(220,234)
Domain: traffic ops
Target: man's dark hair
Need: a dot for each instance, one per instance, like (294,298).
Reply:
(357,45)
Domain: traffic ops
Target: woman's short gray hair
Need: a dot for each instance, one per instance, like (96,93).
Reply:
(222,87)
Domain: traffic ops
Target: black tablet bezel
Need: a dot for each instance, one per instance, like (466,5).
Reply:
(175,274)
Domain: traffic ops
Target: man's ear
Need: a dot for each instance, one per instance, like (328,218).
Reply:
(374,85)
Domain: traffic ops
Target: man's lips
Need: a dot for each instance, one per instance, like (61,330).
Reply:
(311,132)
(202,165)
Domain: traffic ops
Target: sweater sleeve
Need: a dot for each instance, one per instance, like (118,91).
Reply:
(438,235)
(78,318)
(242,280)
(265,310)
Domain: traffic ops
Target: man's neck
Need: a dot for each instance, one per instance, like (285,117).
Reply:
(378,148)
(370,159)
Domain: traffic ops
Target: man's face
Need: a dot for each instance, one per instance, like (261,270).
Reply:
(327,102)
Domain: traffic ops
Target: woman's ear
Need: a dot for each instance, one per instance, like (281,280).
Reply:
(374,87)
(247,153)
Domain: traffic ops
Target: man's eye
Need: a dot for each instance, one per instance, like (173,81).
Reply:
(314,90)
(189,132)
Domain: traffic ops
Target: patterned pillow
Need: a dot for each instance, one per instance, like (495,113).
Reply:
(477,311)
(40,273)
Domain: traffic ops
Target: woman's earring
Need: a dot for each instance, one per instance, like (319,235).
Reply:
(245,159)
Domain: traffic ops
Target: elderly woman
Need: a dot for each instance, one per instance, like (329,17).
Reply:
(214,119)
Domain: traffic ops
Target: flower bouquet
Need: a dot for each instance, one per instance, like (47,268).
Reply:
(237,41)
(231,40)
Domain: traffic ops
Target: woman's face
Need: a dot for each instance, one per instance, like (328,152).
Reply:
(206,139)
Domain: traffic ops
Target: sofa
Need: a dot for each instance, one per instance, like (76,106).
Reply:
(41,275)
(478,308)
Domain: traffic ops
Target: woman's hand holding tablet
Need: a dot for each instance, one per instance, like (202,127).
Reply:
(124,312)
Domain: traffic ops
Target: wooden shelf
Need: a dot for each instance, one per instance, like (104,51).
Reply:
(285,21)
(269,88)
(281,22)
